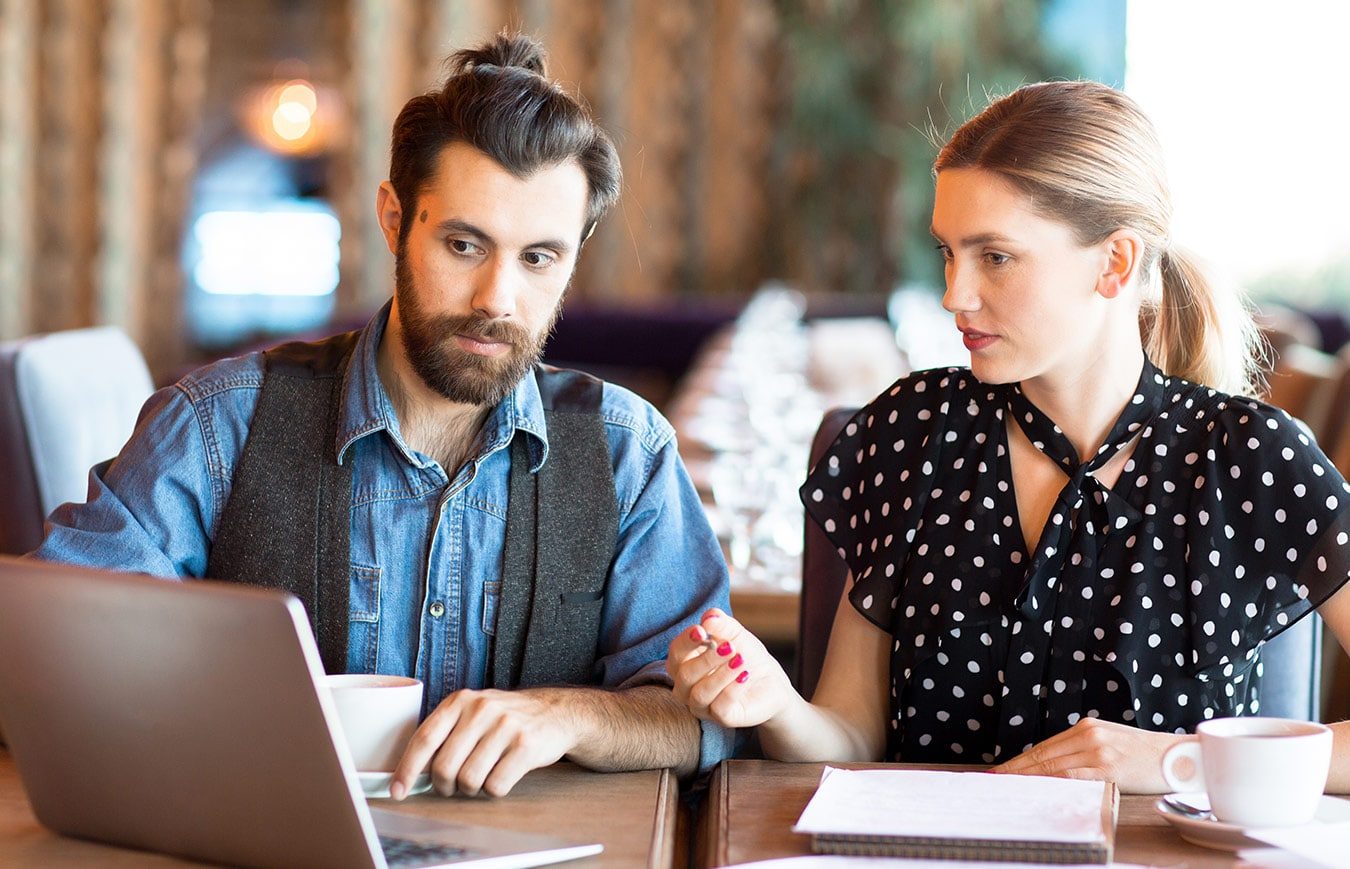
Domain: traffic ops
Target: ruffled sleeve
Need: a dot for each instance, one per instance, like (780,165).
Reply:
(1268,533)
(868,490)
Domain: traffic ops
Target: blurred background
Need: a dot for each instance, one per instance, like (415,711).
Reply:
(202,175)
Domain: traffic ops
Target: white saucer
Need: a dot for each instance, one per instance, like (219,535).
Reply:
(1211,833)
(376,784)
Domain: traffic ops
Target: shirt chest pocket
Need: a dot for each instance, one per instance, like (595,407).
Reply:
(363,613)
(364,600)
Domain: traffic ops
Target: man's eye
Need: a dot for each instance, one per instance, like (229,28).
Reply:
(466,248)
(945,252)
(996,259)
(537,259)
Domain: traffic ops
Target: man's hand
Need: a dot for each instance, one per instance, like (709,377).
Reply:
(486,741)
(1100,750)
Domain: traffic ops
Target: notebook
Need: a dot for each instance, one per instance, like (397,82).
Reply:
(185,717)
(929,814)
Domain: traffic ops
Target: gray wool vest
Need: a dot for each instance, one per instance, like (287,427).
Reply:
(287,522)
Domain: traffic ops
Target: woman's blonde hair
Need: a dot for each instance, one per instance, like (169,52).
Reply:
(1088,157)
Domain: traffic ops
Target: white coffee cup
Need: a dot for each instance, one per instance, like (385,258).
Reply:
(1258,772)
(378,715)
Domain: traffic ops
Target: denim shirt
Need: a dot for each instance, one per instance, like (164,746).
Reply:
(426,546)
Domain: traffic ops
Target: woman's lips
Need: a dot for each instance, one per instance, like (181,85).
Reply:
(976,340)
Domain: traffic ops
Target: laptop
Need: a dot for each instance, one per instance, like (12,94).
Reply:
(185,717)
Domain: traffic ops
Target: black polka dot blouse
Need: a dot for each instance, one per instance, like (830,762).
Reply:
(1146,602)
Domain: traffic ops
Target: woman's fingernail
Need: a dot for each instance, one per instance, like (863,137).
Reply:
(745,674)
(724,649)
(397,791)
(734,662)
(696,634)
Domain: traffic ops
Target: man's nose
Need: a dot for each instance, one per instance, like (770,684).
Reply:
(494,293)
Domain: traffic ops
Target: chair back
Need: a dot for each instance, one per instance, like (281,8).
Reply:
(1335,435)
(1291,672)
(823,573)
(68,400)
(1302,385)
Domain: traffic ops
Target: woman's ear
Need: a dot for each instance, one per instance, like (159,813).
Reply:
(1124,249)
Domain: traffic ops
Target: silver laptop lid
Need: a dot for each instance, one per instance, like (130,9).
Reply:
(176,717)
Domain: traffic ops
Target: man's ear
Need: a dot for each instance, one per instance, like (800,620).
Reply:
(1123,249)
(390,214)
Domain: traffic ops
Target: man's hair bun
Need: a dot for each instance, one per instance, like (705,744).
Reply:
(503,50)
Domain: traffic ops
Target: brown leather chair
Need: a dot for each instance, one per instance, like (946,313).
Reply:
(68,400)
(823,574)
(1283,328)
(1302,383)
(1334,437)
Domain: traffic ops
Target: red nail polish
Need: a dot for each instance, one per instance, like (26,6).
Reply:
(724,649)
(696,635)
(745,674)
(734,662)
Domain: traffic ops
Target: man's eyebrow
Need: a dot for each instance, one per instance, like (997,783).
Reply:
(454,224)
(463,227)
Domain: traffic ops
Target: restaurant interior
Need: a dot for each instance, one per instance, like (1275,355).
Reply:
(183,181)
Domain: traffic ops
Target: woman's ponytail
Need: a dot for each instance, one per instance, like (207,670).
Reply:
(1198,331)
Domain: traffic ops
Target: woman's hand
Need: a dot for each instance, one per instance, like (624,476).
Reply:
(1101,750)
(735,684)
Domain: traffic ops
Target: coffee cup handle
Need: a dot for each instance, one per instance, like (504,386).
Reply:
(1188,749)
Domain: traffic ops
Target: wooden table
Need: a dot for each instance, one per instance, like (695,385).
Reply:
(771,613)
(752,805)
(633,814)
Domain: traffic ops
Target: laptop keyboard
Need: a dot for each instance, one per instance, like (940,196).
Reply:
(406,852)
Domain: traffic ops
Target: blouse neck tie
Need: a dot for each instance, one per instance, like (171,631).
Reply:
(1052,629)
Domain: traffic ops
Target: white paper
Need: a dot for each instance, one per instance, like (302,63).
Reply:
(824,861)
(1274,858)
(956,805)
(1323,844)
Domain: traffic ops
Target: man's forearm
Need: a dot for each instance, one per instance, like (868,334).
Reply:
(636,728)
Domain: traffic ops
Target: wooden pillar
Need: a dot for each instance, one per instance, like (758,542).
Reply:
(19,28)
(65,215)
(154,78)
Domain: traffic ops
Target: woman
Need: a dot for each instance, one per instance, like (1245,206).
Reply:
(1067,555)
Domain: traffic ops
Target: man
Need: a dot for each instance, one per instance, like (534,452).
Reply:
(444,507)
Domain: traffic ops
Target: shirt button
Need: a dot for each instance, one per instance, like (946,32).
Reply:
(437,610)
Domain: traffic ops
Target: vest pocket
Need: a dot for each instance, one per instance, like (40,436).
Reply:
(578,635)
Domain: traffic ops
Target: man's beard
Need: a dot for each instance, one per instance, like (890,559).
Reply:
(467,378)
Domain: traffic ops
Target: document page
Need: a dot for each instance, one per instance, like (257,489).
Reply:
(954,805)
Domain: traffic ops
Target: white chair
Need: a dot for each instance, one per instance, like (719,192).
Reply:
(68,400)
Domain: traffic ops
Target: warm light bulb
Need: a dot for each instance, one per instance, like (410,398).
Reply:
(292,121)
(299,91)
